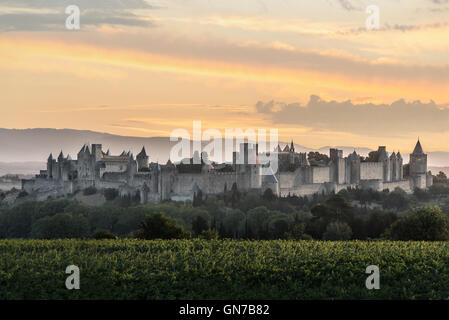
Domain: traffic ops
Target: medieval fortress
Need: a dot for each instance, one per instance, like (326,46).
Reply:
(297,175)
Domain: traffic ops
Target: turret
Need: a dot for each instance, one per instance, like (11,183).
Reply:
(418,160)
(50,166)
(142,160)
(383,157)
(96,152)
(354,164)
(400,169)
(393,167)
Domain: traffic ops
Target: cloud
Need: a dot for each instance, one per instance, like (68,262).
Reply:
(266,57)
(349,5)
(397,27)
(46,15)
(397,118)
(84,4)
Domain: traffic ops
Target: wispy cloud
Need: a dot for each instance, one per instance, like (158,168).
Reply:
(45,15)
(398,27)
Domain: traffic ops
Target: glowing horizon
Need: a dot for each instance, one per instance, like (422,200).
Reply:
(149,69)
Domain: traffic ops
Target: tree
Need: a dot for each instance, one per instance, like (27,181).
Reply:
(197,198)
(378,222)
(235,195)
(209,234)
(110,193)
(373,156)
(279,227)
(269,195)
(423,224)
(257,219)
(336,208)
(421,195)
(158,226)
(440,178)
(89,191)
(396,200)
(233,224)
(339,208)
(103,234)
(60,226)
(316,157)
(199,224)
(337,231)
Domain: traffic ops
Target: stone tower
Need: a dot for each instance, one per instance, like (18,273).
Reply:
(383,158)
(142,160)
(50,166)
(418,168)
(393,167)
(418,160)
(96,152)
(354,163)
(400,170)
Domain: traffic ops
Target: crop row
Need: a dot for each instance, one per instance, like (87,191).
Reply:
(222,269)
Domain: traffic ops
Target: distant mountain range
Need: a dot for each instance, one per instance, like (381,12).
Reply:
(25,151)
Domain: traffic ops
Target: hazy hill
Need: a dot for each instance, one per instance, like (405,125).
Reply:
(25,151)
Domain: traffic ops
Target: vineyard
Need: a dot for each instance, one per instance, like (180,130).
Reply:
(222,269)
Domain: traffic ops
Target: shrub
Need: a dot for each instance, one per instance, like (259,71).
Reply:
(90,191)
(60,226)
(158,226)
(199,224)
(337,231)
(103,234)
(209,234)
(425,223)
(110,193)
(22,194)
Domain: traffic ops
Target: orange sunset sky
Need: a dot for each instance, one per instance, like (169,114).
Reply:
(308,68)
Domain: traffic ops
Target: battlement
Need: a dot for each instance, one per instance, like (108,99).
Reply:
(155,182)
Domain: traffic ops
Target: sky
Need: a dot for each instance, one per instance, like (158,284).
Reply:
(311,69)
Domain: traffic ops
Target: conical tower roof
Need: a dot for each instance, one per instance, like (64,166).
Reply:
(353,156)
(142,153)
(418,148)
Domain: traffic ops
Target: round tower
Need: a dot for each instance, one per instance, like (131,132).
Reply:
(393,167)
(354,161)
(418,160)
(383,157)
(50,166)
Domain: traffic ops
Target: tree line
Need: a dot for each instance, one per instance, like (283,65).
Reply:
(350,214)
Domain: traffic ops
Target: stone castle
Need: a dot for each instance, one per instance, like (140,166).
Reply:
(298,174)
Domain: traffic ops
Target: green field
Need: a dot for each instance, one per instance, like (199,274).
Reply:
(222,269)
